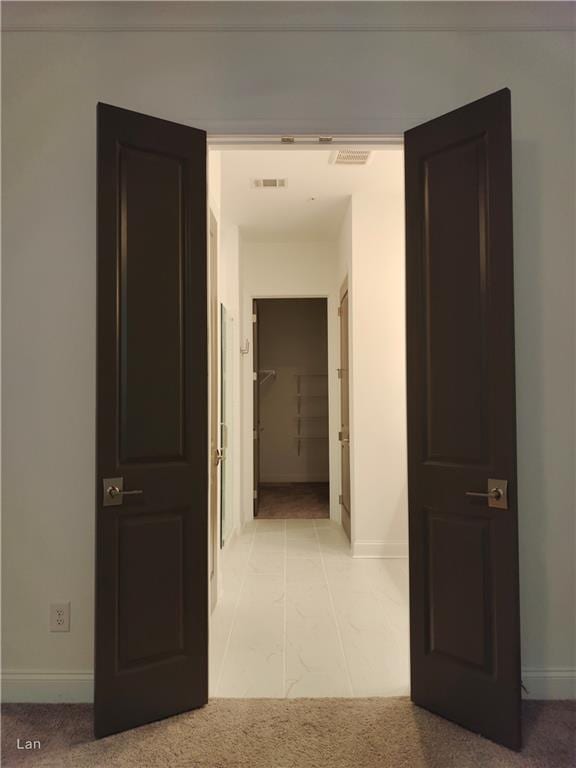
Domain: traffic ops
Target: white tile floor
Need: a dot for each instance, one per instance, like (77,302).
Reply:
(300,617)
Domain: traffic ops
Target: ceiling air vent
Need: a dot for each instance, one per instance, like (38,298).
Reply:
(268,183)
(350,157)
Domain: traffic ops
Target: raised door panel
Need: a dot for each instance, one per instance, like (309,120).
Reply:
(151,589)
(459,610)
(455,263)
(152,238)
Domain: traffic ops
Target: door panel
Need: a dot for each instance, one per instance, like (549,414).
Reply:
(345,412)
(146,177)
(454,226)
(459,582)
(464,596)
(150,601)
(151,553)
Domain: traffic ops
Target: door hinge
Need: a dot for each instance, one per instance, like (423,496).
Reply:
(254,318)
(255,375)
(339,311)
(339,372)
(340,499)
(255,494)
(255,434)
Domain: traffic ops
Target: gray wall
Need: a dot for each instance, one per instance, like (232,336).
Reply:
(335,68)
(293,341)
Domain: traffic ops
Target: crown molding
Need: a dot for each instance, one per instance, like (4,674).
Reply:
(209,17)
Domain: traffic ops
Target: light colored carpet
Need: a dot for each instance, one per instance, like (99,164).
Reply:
(286,733)
(303,501)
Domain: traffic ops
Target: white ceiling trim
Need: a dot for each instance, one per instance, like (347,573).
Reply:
(302,142)
(298,17)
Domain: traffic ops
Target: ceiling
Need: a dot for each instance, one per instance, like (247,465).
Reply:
(312,204)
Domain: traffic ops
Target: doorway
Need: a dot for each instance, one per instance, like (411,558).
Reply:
(460,415)
(310,605)
(291,416)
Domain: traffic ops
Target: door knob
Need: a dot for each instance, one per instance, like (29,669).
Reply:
(497,494)
(114,491)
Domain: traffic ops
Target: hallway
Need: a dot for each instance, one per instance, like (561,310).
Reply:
(299,617)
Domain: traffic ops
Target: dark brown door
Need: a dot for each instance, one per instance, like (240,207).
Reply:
(344,411)
(152,439)
(464,612)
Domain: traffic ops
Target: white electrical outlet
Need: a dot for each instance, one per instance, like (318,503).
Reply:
(60,617)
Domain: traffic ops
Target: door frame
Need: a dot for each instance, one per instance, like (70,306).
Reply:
(345,290)
(214,409)
(331,312)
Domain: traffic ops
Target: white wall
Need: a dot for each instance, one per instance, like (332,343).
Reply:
(385,77)
(289,270)
(229,294)
(378,366)
(345,247)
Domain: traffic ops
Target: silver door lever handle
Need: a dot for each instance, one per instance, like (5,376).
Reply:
(114,491)
(497,493)
(493,493)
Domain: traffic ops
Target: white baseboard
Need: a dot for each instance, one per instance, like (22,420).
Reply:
(549,683)
(231,536)
(383,549)
(42,687)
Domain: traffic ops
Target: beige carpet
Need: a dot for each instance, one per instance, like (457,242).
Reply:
(286,733)
(302,501)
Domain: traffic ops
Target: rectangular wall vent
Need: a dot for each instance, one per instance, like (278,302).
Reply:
(268,183)
(350,157)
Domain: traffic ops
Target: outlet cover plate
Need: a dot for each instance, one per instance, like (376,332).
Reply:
(60,617)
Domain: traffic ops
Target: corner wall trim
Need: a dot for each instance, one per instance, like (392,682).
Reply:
(382,549)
